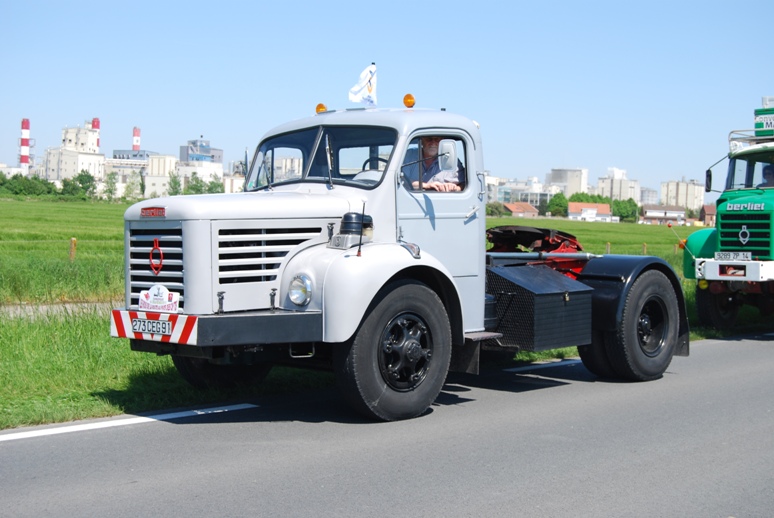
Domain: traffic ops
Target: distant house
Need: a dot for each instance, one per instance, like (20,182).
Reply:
(707,215)
(662,214)
(590,212)
(521,209)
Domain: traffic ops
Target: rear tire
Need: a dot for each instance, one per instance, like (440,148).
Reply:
(717,311)
(645,340)
(396,365)
(203,374)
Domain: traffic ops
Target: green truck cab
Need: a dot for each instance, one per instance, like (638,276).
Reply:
(733,263)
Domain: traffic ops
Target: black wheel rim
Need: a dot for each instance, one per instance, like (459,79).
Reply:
(406,349)
(652,326)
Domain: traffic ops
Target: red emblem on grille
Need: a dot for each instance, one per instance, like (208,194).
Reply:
(156,266)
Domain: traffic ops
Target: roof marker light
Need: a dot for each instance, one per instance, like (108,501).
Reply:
(320,108)
(408,101)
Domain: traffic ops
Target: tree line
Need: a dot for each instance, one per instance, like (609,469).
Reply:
(83,186)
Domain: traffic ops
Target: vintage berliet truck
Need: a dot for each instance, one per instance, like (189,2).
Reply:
(733,263)
(332,257)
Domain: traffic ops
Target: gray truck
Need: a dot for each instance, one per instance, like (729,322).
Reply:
(331,258)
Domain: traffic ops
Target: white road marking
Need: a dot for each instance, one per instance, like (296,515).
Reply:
(122,422)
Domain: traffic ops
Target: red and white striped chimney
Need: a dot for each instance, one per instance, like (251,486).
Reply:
(95,126)
(24,145)
(136,139)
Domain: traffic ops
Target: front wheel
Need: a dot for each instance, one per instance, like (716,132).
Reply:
(396,365)
(645,338)
(718,311)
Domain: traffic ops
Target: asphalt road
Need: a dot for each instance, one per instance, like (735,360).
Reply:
(549,441)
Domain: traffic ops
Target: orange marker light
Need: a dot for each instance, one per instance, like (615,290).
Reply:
(320,108)
(408,101)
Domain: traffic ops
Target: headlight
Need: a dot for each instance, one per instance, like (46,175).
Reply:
(300,290)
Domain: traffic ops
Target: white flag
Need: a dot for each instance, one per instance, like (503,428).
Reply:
(365,89)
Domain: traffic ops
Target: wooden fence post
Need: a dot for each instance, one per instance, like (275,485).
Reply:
(607,247)
(73,244)
(644,248)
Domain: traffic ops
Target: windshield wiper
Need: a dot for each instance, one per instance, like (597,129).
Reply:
(329,156)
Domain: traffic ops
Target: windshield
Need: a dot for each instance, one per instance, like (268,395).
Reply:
(751,171)
(347,155)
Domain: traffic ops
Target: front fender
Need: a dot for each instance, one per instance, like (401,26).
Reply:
(702,243)
(612,276)
(351,283)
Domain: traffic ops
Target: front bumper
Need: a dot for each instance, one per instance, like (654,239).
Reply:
(247,328)
(750,271)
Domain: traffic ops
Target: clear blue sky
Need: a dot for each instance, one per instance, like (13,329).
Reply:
(650,87)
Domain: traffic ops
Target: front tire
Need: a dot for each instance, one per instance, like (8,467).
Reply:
(718,311)
(396,365)
(645,339)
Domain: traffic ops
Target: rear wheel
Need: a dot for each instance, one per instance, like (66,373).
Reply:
(202,374)
(645,340)
(396,365)
(716,310)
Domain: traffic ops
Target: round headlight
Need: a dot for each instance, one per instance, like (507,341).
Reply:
(300,290)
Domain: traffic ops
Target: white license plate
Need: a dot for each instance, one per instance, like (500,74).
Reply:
(733,256)
(155,327)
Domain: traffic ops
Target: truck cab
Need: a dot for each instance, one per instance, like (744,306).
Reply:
(733,263)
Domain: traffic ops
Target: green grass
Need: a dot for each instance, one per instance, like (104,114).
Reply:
(35,247)
(63,367)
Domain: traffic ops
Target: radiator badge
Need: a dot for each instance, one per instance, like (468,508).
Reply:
(156,266)
(159,298)
(745,206)
(153,212)
(744,235)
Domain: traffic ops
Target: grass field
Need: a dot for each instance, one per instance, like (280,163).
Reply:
(35,245)
(64,366)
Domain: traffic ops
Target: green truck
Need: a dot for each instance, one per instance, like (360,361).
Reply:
(733,263)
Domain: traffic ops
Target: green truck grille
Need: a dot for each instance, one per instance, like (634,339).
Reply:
(755,228)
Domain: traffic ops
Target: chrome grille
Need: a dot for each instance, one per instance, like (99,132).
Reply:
(255,254)
(758,227)
(141,276)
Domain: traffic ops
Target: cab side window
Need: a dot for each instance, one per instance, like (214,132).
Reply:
(422,161)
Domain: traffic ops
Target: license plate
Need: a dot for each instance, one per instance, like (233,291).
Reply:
(733,256)
(155,327)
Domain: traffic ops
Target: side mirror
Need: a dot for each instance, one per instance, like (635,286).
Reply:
(708,181)
(447,155)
